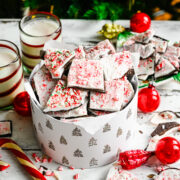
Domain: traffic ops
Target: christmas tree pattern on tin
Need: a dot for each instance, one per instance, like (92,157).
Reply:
(78,153)
(93,162)
(106,128)
(129,113)
(76,132)
(49,125)
(65,161)
(92,142)
(63,140)
(40,128)
(51,145)
(119,132)
(128,135)
(107,149)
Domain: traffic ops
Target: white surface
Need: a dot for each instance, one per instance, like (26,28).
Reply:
(79,32)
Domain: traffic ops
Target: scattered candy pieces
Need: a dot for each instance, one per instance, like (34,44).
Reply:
(60,168)
(22,158)
(76,176)
(72,168)
(3,165)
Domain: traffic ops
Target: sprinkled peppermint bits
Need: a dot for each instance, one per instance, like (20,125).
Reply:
(84,82)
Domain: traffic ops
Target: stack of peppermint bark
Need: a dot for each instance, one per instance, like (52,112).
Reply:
(157,58)
(84,82)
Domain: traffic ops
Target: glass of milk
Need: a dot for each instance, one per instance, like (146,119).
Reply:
(11,74)
(35,30)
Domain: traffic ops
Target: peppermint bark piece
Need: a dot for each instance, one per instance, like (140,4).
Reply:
(44,84)
(103,45)
(144,37)
(164,68)
(80,53)
(77,112)
(56,60)
(172,51)
(168,174)
(128,92)
(97,54)
(111,100)
(115,173)
(86,74)
(160,44)
(64,98)
(146,67)
(145,51)
(116,65)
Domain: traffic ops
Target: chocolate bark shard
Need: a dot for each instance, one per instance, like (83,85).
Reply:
(144,37)
(168,174)
(128,92)
(115,173)
(117,65)
(145,51)
(77,112)
(103,45)
(86,74)
(162,128)
(56,60)
(97,54)
(146,67)
(160,44)
(164,68)
(44,84)
(98,113)
(80,53)
(111,100)
(172,51)
(6,128)
(64,98)
(163,117)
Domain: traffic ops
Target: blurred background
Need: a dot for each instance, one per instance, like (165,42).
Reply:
(93,9)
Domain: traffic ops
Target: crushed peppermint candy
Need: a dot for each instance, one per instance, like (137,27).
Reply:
(55,61)
(111,100)
(116,65)
(80,53)
(64,98)
(44,85)
(86,74)
(60,168)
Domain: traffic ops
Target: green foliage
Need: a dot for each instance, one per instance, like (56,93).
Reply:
(89,9)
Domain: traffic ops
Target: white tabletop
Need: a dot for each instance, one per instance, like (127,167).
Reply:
(79,32)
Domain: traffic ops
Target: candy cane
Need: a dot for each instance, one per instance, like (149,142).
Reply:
(3,165)
(22,158)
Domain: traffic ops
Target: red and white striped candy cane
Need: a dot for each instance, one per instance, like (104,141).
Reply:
(22,158)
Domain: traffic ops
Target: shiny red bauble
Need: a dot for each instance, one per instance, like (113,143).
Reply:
(140,22)
(168,150)
(22,104)
(148,99)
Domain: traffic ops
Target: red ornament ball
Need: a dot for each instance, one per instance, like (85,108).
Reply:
(140,22)
(148,99)
(22,104)
(168,150)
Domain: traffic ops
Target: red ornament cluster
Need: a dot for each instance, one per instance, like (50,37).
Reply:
(140,22)
(148,99)
(167,151)
(22,104)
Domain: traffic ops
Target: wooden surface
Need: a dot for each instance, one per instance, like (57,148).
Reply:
(80,32)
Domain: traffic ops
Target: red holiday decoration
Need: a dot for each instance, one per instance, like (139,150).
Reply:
(140,22)
(133,159)
(3,165)
(148,99)
(168,150)
(22,104)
